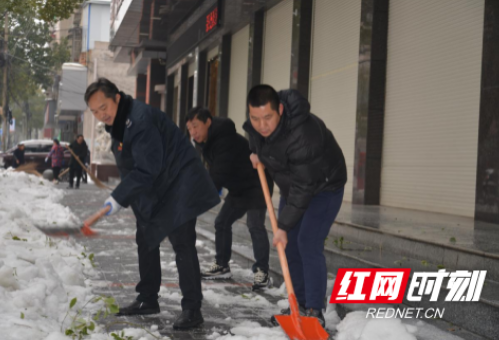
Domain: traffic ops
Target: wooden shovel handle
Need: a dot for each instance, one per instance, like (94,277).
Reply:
(97,216)
(273,221)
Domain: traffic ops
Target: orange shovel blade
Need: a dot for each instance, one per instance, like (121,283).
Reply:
(87,231)
(310,328)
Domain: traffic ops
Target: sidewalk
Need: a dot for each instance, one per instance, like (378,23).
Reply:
(226,303)
(465,232)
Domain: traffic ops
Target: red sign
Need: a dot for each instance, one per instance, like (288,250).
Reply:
(370,285)
(211,20)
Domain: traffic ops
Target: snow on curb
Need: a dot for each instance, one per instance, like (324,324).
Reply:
(39,276)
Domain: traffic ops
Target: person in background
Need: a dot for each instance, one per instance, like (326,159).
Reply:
(227,154)
(56,154)
(80,149)
(18,156)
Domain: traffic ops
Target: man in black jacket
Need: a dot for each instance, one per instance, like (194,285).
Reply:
(167,187)
(18,156)
(307,164)
(80,149)
(227,154)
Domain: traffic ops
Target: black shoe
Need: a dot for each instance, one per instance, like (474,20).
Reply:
(317,314)
(70,187)
(287,311)
(262,280)
(217,272)
(140,308)
(77,187)
(189,318)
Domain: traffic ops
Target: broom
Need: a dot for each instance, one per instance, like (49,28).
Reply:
(64,172)
(26,167)
(29,168)
(97,182)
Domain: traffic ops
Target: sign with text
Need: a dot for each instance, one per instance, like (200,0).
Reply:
(208,23)
(389,285)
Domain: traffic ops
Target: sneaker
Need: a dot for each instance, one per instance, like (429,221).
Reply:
(217,272)
(189,318)
(287,311)
(140,308)
(315,313)
(262,280)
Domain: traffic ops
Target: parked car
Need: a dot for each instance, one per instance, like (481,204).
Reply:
(36,150)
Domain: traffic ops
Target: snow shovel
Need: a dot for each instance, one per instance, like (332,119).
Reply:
(85,229)
(295,326)
(94,179)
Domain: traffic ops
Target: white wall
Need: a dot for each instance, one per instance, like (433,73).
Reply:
(99,27)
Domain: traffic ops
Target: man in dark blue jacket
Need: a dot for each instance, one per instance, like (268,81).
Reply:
(167,187)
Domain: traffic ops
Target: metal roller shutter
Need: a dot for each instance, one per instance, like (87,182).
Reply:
(334,72)
(432,105)
(277,45)
(238,81)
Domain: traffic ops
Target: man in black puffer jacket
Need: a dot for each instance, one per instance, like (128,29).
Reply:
(227,154)
(165,183)
(308,166)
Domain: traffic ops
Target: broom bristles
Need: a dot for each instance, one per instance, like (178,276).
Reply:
(34,172)
(26,167)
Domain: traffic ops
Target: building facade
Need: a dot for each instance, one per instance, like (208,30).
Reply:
(408,88)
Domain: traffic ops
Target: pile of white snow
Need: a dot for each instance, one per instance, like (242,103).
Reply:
(39,276)
(355,326)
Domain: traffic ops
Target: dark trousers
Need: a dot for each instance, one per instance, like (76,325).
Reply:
(75,170)
(256,225)
(305,248)
(183,240)
(56,170)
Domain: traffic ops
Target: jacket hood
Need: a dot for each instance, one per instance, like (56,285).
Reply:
(220,127)
(296,108)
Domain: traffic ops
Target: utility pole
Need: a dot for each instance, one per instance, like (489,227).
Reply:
(5,101)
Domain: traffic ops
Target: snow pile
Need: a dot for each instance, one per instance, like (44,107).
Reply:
(250,300)
(356,326)
(27,200)
(39,276)
(250,330)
